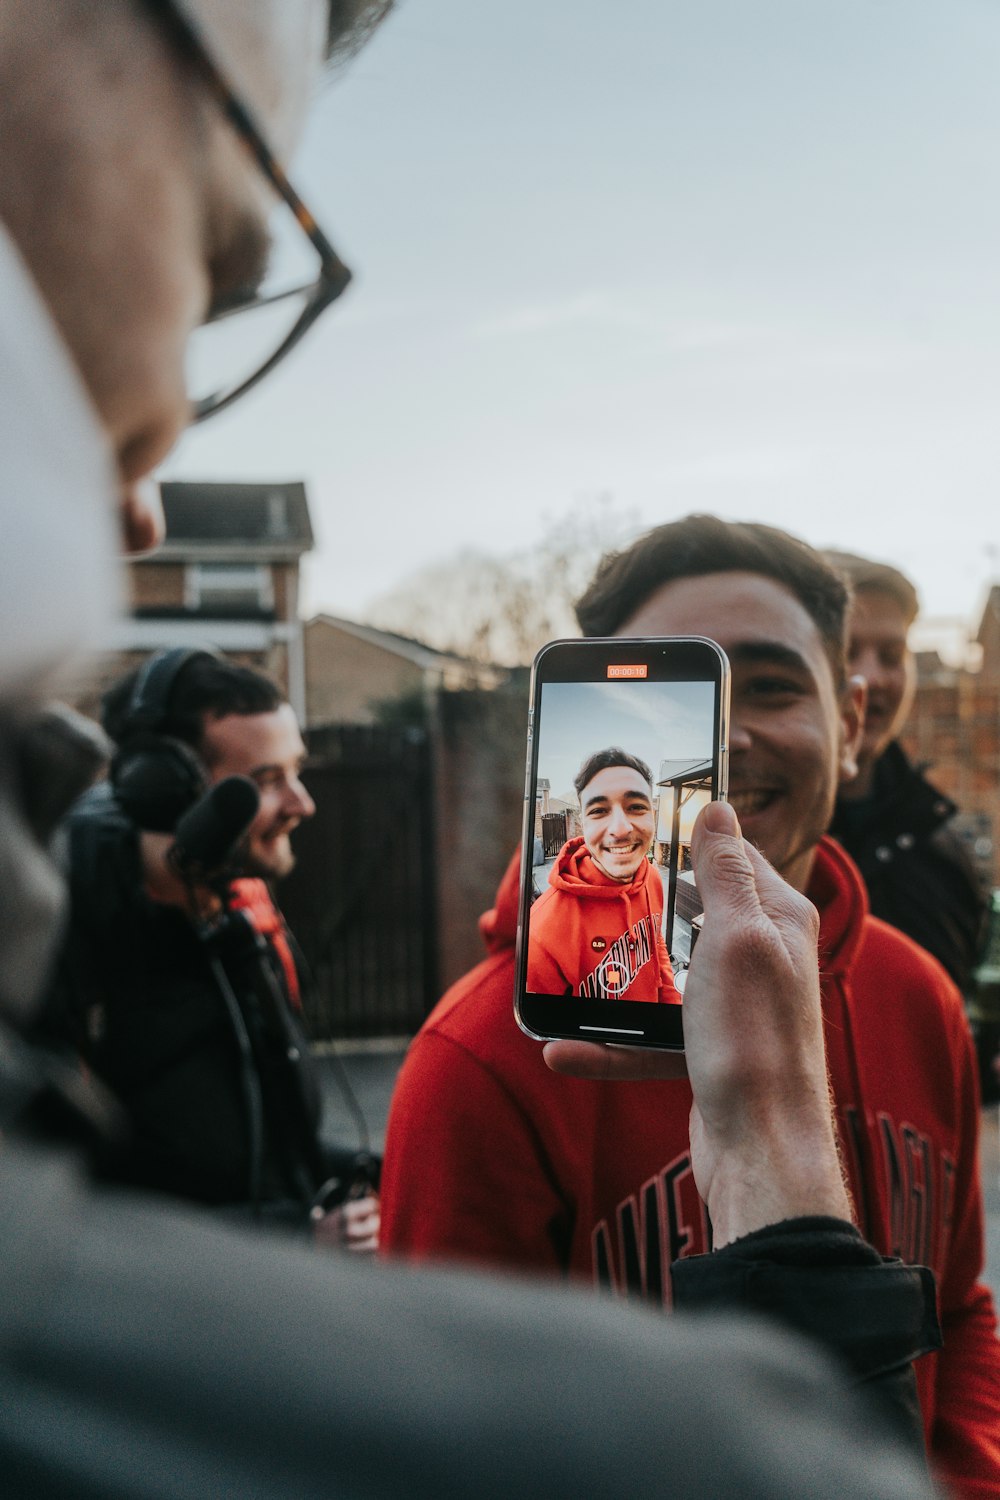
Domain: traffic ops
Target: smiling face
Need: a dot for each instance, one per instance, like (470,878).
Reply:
(793,732)
(618,821)
(877,651)
(268,748)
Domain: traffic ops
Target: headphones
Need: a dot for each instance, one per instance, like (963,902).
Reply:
(157,777)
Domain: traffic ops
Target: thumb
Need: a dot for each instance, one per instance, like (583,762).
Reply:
(723,871)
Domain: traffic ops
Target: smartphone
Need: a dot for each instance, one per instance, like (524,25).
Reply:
(627,741)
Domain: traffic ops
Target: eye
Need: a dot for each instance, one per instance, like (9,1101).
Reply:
(775,686)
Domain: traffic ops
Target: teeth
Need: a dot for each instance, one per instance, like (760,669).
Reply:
(747,803)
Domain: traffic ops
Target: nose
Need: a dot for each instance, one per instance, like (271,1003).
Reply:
(298,803)
(142,525)
(867,665)
(618,823)
(740,738)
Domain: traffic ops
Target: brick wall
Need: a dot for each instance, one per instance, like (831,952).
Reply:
(283,584)
(346,677)
(479,745)
(155,585)
(954,730)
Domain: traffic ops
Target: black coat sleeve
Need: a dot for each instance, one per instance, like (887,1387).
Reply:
(821,1278)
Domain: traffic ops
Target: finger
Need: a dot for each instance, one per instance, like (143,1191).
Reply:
(736,881)
(361,1228)
(717,817)
(356,1208)
(610,1062)
(723,871)
(786,907)
(362,1247)
(142,525)
(367,1241)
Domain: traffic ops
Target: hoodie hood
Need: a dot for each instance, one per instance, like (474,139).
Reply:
(573,871)
(498,926)
(579,874)
(838,894)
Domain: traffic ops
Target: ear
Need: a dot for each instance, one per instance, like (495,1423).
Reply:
(853,701)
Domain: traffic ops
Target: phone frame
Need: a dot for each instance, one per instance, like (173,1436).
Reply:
(691,659)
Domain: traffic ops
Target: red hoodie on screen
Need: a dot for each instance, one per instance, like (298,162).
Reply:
(599,938)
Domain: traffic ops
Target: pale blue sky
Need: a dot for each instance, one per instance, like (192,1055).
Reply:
(724,256)
(652,720)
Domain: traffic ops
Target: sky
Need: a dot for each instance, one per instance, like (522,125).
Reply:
(742,258)
(652,720)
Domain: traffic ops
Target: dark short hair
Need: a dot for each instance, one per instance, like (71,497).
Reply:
(865,576)
(603,760)
(206,688)
(349,25)
(698,545)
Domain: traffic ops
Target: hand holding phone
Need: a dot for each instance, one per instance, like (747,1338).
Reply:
(626,742)
(763,1144)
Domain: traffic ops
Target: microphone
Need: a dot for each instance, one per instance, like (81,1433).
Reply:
(206,837)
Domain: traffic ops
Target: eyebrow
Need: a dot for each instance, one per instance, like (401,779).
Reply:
(277,765)
(603,797)
(773,653)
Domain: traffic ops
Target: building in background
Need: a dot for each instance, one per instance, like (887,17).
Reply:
(356,674)
(226,575)
(954,731)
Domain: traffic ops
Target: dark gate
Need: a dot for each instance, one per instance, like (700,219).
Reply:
(361,898)
(553,833)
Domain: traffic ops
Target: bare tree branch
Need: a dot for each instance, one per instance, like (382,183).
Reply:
(503,608)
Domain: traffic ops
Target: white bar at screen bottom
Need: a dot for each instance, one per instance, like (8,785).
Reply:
(624,1030)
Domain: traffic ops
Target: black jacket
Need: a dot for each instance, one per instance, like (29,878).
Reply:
(195,1037)
(919,875)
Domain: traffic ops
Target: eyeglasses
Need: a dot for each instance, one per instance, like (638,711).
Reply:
(239,344)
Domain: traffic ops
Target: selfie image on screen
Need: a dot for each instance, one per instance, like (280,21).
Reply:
(623,770)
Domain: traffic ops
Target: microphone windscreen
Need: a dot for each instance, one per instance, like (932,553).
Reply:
(208,833)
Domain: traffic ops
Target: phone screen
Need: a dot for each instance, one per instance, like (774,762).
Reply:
(626,744)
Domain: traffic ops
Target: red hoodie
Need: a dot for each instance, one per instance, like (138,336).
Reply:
(492,1158)
(253,897)
(594,936)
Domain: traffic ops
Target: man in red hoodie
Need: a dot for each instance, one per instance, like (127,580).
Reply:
(598,929)
(490,1158)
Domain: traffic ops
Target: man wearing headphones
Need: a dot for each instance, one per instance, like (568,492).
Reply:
(181,989)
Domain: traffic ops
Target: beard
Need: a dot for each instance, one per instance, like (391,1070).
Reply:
(265,858)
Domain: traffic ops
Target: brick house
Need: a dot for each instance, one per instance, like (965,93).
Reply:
(352,670)
(954,730)
(227,574)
